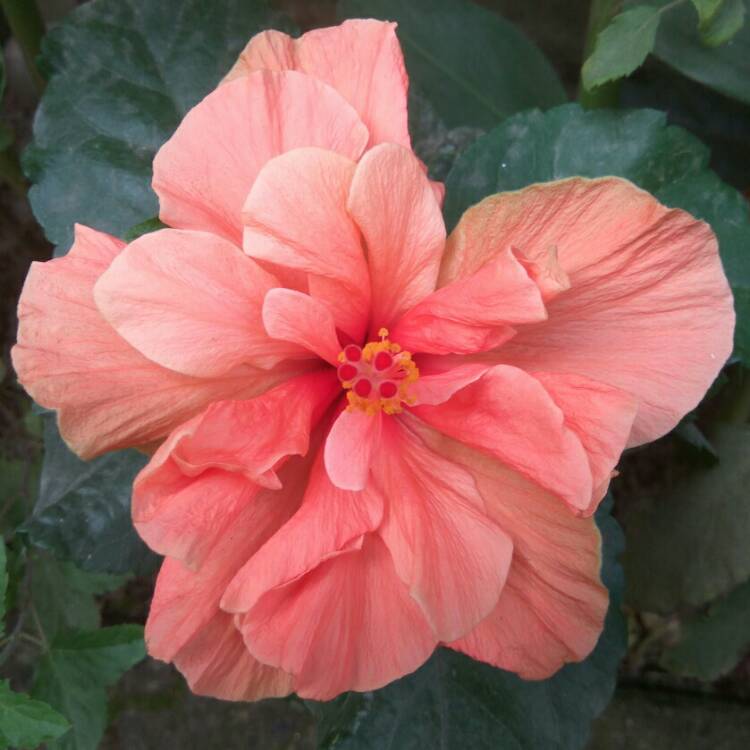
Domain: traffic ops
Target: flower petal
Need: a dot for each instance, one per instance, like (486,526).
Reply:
(347,625)
(300,319)
(395,208)
(295,216)
(329,521)
(186,625)
(204,172)
(437,386)
(192,302)
(360,58)
(349,448)
(649,309)
(552,608)
(473,313)
(107,394)
(209,469)
(600,415)
(453,558)
(509,415)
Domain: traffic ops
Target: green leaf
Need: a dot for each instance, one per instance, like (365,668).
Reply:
(474,67)
(145,227)
(622,46)
(707,9)
(711,645)
(724,24)
(3,584)
(454,702)
(63,595)
(25,723)
(638,145)
(124,73)
(74,673)
(688,546)
(83,510)
(725,68)
(6,136)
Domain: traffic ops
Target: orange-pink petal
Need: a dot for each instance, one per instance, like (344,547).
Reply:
(648,311)
(452,557)
(349,448)
(360,58)
(552,608)
(329,521)
(474,313)
(349,624)
(601,416)
(107,394)
(402,226)
(201,478)
(508,414)
(204,172)
(295,216)
(191,302)
(291,316)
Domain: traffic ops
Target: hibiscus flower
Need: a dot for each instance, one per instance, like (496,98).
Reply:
(370,439)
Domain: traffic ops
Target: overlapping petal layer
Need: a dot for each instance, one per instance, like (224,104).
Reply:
(107,394)
(204,172)
(648,311)
(361,59)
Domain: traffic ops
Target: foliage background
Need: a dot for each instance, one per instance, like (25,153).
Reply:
(73,562)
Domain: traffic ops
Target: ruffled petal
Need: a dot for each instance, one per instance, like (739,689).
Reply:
(107,394)
(600,415)
(648,311)
(436,386)
(329,521)
(552,608)
(303,320)
(186,625)
(349,624)
(295,216)
(395,208)
(452,557)
(201,478)
(191,302)
(509,414)
(204,172)
(349,448)
(474,313)
(360,58)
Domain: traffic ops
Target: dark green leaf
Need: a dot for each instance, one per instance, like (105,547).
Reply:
(692,436)
(25,723)
(725,68)
(83,510)
(145,227)
(124,73)
(6,136)
(711,645)
(454,702)
(3,584)
(724,24)
(2,77)
(63,595)
(474,67)
(638,145)
(622,46)
(690,545)
(74,673)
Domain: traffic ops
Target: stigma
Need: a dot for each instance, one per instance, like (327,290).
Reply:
(377,377)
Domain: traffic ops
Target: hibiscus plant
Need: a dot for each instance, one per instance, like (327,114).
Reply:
(356,327)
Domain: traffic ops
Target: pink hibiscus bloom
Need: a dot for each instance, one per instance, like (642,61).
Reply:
(378,439)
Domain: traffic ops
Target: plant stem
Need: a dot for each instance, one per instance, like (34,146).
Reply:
(601,12)
(27,26)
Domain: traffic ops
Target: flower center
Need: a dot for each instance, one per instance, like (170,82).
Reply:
(377,376)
